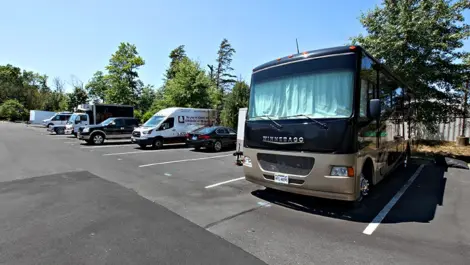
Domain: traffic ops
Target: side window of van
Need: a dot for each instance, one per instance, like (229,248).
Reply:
(168,124)
(56,118)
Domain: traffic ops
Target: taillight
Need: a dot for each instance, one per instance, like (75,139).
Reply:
(205,137)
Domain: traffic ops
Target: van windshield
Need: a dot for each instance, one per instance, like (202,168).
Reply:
(154,121)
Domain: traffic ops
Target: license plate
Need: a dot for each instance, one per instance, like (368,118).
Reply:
(281,179)
(194,137)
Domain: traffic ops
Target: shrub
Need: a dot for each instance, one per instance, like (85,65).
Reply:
(12,110)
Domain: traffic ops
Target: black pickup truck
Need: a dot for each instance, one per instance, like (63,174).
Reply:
(112,128)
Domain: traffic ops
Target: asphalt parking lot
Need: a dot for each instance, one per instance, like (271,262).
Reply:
(64,202)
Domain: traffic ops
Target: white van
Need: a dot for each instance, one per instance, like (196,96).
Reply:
(171,126)
(59,118)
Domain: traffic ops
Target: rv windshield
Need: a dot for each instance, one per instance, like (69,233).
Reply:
(154,121)
(315,95)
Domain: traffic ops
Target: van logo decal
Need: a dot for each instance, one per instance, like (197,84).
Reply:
(283,140)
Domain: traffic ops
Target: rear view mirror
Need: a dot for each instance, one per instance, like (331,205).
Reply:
(374,109)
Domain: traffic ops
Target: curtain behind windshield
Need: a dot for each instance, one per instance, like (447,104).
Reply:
(320,95)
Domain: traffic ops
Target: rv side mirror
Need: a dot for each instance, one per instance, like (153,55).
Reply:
(374,108)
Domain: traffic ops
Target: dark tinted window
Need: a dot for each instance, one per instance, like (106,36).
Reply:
(222,131)
(231,131)
(131,122)
(168,124)
(83,118)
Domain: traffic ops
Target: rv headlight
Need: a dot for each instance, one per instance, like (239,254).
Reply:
(342,171)
(247,161)
(147,132)
(86,130)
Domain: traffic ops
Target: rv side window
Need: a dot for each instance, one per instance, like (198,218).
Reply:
(168,124)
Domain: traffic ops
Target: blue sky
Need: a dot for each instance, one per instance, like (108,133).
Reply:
(64,38)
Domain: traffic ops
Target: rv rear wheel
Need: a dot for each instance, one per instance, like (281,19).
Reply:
(157,143)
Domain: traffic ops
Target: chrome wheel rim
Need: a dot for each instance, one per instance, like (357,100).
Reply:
(364,186)
(98,139)
(158,143)
(217,146)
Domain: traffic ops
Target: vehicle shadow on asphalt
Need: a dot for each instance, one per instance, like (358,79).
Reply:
(418,204)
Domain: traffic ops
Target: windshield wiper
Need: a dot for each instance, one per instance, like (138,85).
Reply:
(323,125)
(273,121)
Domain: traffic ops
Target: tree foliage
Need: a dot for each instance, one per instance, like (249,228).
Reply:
(124,83)
(13,110)
(235,100)
(190,87)
(97,86)
(77,97)
(176,56)
(421,41)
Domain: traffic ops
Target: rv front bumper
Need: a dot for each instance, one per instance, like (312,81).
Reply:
(301,173)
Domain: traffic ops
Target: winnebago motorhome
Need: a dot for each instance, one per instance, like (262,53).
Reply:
(171,126)
(326,123)
(93,114)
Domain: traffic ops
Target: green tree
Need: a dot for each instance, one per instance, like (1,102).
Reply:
(146,98)
(97,86)
(190,87)
(224,79)
(13,110)
(235,100)
(421,41)
(176,56)
(124,83)
(77,97)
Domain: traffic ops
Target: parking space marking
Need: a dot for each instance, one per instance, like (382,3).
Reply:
(184,160)
(223,182)
(105,146)
(70,142)
(379,218)
(143,151)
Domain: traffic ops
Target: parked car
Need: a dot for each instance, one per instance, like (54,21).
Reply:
(59,118)
(112,128)
(213,137)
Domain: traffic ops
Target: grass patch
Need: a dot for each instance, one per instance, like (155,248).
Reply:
(443,148)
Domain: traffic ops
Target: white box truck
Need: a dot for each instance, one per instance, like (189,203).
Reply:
(92,114)
(171,125)
(38,116)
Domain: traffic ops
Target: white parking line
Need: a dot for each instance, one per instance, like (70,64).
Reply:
(223,182)
(144,151)
(70,142)
(379,218)
(185,160)
(105,146)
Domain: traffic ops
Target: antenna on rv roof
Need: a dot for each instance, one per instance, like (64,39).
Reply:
(296,42)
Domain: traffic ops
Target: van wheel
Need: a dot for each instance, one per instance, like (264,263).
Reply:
(217,146)
(59,130)
(98,138)
(157,144)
